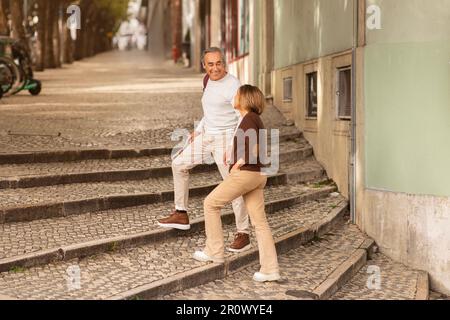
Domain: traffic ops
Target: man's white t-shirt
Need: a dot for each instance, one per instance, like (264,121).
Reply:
(218,109)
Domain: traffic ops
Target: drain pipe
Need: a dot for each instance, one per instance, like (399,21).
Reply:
(353,144)
(352,175)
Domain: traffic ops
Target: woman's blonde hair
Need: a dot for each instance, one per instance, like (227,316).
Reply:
(252,99)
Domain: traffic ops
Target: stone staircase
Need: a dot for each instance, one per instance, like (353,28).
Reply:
(82,225)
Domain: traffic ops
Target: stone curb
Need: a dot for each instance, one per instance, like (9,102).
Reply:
(423,286)
(90,248)
(212,272)
(92,154)
(82,154)
(341,275)
(369,245)
(122,175)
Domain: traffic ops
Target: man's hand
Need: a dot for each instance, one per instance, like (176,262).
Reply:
(225,158)
(194,135)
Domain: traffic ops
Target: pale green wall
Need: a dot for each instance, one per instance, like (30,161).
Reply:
(407,99)
(308,29)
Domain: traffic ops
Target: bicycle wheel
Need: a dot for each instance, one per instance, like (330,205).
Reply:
(11,76)
(6,77)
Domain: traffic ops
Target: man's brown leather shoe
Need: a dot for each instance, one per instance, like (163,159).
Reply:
(241,243)
(177,220)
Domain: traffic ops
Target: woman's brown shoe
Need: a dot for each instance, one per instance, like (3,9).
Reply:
(241,243)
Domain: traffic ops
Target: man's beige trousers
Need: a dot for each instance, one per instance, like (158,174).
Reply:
(206,148)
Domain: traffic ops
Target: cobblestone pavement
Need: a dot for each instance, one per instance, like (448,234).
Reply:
(26,237)
(303,268)
(108,274)
(85,166)
(13,198)
(115,99)
(397,282)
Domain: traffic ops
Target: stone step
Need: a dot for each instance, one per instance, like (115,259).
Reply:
(396,282)
(311,271)
(64,200)
(163,267)
(26,244)
(340,265)
(141,168)
(286,134)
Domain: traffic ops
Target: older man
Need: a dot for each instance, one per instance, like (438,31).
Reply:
(212,137)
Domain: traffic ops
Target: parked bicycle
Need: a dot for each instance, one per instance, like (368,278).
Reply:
(16,73)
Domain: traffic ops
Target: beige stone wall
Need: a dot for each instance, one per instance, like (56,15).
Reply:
(412,229)
(329,135)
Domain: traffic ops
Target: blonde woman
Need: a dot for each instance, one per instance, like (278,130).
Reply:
(246,180)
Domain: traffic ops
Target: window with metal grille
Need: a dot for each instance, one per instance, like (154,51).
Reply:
(344,93)
(287,89)
(311,94)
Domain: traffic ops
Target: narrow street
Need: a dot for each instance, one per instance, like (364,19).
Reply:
(113,99)
(86,173)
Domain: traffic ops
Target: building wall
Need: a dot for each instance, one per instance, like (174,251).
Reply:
(241,69)
(243,66)
(308,29)
(315,36)
(403,187)
(157,40)
(216,37)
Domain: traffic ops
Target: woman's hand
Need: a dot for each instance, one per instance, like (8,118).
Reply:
(238,165)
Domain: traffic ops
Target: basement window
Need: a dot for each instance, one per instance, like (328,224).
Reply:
(311,94)
(344,93)
(287,89)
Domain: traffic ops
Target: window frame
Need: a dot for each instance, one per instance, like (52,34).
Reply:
(285,79)
(307,96)
(338,72)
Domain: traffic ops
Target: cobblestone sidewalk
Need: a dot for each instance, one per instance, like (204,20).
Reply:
(114,99)
(108,274)
(396,282)
(304,268)
(26,237)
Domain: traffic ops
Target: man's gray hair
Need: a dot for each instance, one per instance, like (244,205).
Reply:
(214,50)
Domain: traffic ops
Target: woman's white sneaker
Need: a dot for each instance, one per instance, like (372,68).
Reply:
(203,257)
(261,277)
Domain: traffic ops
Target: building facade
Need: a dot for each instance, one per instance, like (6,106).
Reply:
(368,83)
